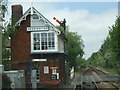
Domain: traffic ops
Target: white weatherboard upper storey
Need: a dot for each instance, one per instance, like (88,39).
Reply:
(39,24)
(41,18)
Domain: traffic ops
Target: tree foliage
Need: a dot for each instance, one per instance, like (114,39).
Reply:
(7,32)
(108,55)
(81,63)
(3,10)
(74,47)
(6,53)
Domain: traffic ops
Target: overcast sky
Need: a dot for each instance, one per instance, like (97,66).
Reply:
(89,19)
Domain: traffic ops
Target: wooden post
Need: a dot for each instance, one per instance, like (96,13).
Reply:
(118,48)
(0,57)
(0,45)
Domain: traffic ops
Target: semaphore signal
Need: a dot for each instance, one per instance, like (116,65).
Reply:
(57,20)
(62,23)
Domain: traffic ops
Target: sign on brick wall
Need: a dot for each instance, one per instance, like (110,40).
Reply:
(40,28)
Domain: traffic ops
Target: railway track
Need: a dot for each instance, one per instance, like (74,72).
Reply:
(95,79)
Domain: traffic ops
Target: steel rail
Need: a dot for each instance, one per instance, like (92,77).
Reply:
(95,83)
(99,72)
(109,82)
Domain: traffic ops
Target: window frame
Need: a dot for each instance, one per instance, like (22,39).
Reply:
(35,17)
(45,50)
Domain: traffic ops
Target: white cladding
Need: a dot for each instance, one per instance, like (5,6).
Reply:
(40,25)
(37,22)
(61,45)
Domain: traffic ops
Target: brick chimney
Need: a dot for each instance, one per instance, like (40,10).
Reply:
(17,12)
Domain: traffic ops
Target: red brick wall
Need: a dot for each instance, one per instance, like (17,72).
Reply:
(20,43)
(46,78)
(53,60)
(20,48)
(17,12)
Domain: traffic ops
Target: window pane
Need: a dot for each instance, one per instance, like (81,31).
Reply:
(35,16)
(51,41)
(36,41)
(44,41)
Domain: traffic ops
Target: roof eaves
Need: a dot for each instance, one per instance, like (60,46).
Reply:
(22,18)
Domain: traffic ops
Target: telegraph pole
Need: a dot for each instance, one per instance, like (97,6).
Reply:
(0,44)
(118,51)
(0,48)
(1,25)
(3,10)
(63,24)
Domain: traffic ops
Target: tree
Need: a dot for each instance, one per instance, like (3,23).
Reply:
(5,32)
(3,10)
(74,47)
(93,59)
(114,34)
(6,53)
(81,63)
(108,55)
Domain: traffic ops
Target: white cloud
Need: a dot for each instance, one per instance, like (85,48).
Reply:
(92,27)
(65,1)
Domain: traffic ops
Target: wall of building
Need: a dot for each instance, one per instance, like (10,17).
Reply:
(17,12)
(22,57)
(20,44)
(53,60)
(60,45)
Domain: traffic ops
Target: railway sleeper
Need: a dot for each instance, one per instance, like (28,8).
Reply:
(89,86)
(91,82)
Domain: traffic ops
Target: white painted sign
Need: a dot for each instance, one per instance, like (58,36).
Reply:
(1,23)
(1,68)
(40,28)
(38,60)
(46,69)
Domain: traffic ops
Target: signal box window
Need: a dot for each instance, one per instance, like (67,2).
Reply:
(43,41)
